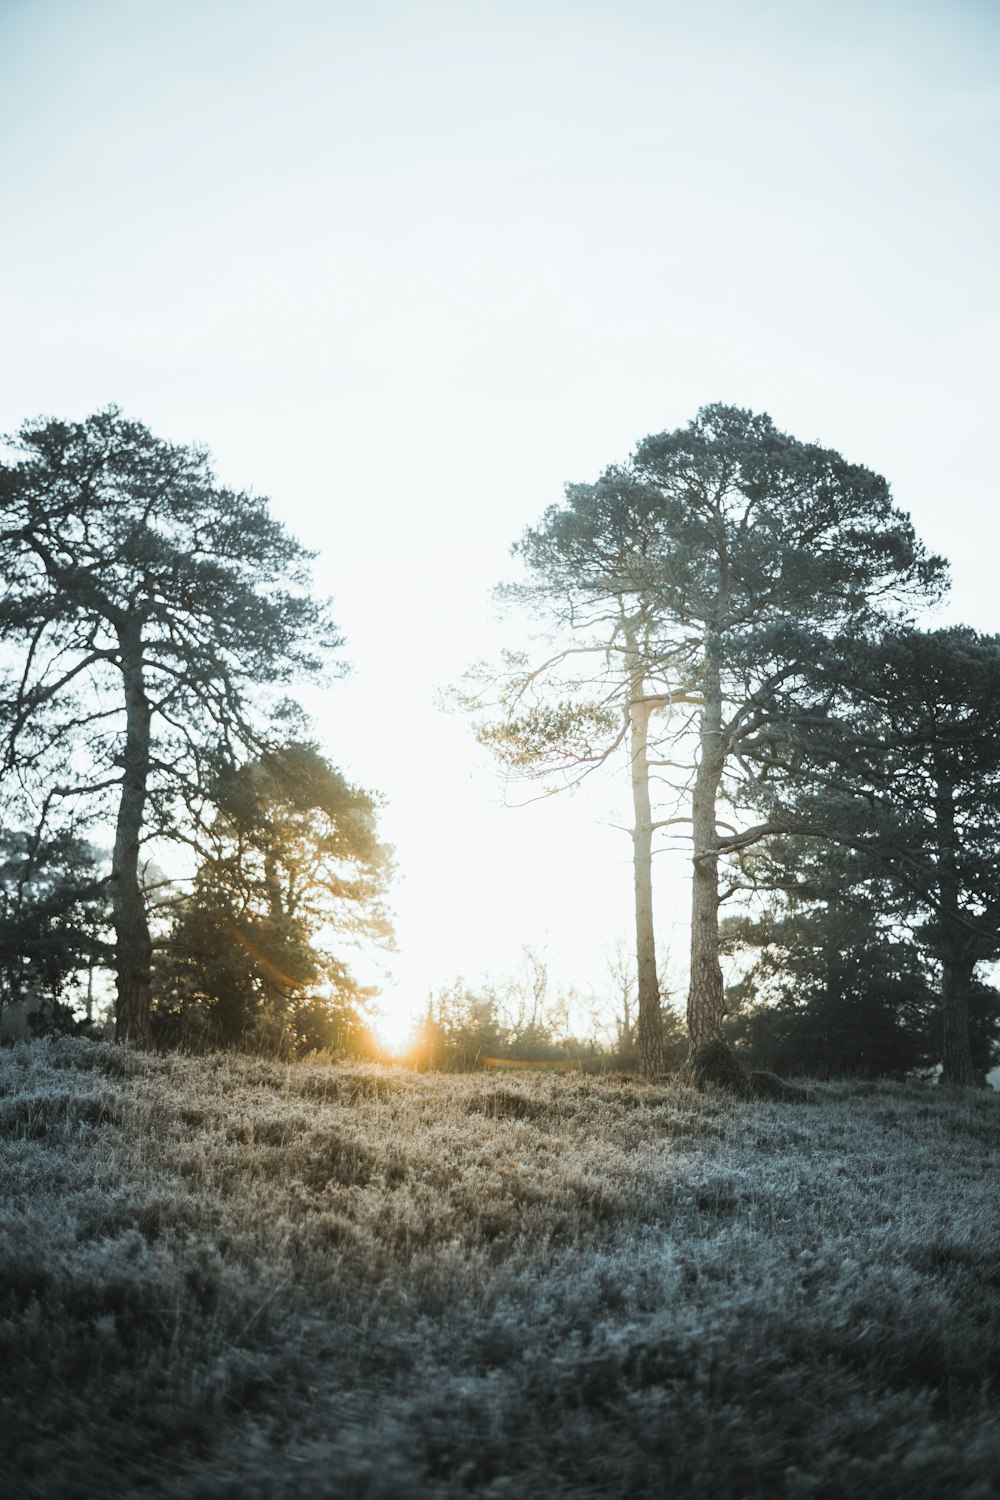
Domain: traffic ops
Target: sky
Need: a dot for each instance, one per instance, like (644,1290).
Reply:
(408,268)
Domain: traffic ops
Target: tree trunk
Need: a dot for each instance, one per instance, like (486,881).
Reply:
(956,1054)
(705,997)
(650,1026)
(132,941)
(956,965)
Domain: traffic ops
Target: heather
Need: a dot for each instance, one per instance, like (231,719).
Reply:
(232,1277)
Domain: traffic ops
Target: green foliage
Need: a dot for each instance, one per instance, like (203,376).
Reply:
(907,727)
(294,872)
(902,765)
(560,734)
(935,698)
(859,1023)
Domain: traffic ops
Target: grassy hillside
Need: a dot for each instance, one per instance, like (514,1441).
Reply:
(223,1277)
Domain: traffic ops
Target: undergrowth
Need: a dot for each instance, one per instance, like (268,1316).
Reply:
(227,1277)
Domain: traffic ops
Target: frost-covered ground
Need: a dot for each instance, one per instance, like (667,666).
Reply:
(223,1277)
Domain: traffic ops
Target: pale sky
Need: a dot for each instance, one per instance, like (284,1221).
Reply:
(408,268)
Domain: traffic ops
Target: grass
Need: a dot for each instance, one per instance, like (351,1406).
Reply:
(226,1277)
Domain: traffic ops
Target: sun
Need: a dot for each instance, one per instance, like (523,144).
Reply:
(394,1020)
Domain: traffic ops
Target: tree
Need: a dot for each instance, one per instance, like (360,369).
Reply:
(739,549)
(144,609)
(919,744)
(292,873)
(617,1005)
(595,691)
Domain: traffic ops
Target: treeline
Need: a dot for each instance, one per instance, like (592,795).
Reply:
(728,620)
(825,991)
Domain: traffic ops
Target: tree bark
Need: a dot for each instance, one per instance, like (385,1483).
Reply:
(650,1027)
(956,1053)
(956,964)
(133,948)
(706,1007)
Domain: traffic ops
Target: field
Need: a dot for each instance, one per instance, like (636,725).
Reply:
(227,1277)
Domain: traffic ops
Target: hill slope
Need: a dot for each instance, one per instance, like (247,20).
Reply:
(225,1277)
